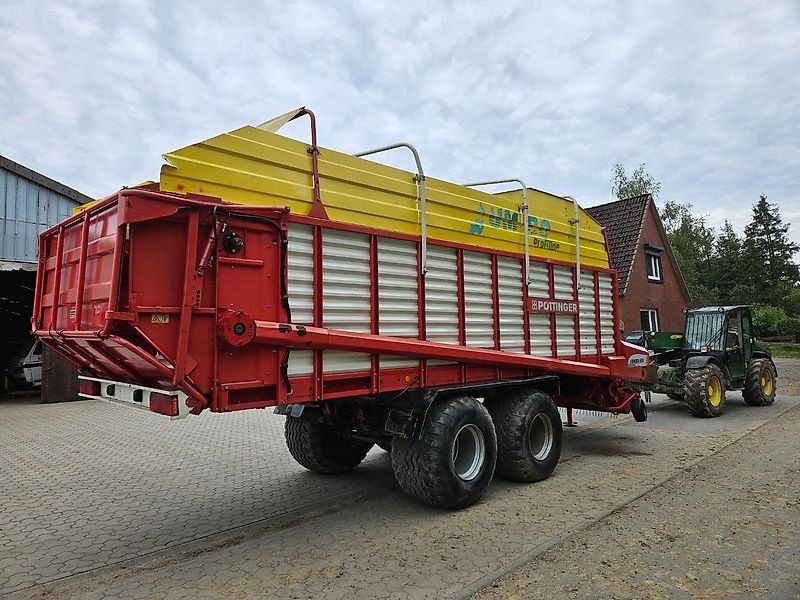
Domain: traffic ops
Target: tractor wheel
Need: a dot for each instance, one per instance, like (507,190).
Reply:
(704,390)
(452,462)
(759,386)
(528,427)
(314,444)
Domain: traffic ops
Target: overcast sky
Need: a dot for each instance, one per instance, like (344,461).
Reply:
(706,93)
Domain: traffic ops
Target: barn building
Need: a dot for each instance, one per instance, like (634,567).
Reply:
(31,203)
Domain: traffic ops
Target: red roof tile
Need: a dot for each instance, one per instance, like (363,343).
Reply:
(623,220)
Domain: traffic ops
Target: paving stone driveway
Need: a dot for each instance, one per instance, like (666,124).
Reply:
(390,547)
(86,484)
(89,484)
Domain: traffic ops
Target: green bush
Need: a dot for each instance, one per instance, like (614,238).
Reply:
(792,328)
(769,321)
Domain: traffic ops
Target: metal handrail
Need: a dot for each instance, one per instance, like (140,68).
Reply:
(577,222)
(273,125)
(524,210)
(314,151)
(420,180)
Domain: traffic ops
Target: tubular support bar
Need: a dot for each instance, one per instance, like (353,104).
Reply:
(524,209)
(420,179)
(57,278)
(577,222)
(307,337)
(82,272)
(314,151)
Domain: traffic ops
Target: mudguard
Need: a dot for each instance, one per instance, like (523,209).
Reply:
(759,354)
(698,362)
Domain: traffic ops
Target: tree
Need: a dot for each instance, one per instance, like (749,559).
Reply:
(769,321)
(767,248)
(673,214)
(791,302)
(731,279)
(693,245)
(637,183)
(728,269)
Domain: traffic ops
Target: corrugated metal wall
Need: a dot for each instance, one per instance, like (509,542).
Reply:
(28,208)
(29,204)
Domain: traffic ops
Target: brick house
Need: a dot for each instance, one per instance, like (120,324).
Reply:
(653,293)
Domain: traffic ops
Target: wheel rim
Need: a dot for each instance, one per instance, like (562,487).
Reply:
(540,439)
(468,453)
(714,391)
(766,382)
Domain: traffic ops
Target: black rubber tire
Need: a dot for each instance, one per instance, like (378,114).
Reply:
(753,392)
(314,444)
(639,410)
(424,466)
(674,396)
(695,386)
(515,416)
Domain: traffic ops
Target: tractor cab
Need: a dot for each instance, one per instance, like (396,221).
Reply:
(725,332)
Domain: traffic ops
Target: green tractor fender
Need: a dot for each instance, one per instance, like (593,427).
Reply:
(699,362)
(765,355)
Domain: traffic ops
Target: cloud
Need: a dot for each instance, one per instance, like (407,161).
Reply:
(92,93)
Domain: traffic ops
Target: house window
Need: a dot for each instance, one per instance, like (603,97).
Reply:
(649,317)
(653,267)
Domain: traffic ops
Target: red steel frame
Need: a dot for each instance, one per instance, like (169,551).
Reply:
(110,352)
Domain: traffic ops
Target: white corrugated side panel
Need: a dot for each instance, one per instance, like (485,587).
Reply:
(301,290)
(565,324)
(539,323)
(345,294)
(562,283)
(509,292)
(606,313)
(588,319)
(397,295)
(478,304)
(441,298)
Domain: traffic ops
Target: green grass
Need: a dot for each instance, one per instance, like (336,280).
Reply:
(785,350)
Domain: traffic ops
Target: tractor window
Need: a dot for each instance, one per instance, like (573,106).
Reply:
(733,335)
(704,330)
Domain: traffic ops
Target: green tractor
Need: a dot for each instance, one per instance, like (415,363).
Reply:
(716,352)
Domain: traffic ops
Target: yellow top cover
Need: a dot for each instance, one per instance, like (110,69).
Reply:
(253,166)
